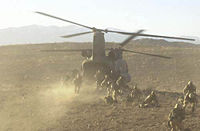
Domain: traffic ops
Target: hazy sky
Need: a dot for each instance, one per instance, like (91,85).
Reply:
(166,17)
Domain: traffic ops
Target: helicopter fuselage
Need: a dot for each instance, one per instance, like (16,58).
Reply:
(100,61)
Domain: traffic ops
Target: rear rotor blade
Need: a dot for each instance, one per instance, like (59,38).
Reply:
(63,19)
(166,57)
(168,37)
(130,38)
(77,34)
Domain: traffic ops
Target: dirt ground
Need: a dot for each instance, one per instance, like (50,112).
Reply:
(33,96)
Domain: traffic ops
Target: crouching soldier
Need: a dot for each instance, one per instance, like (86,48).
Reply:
(135,94)
(150,101)
(77,83)
(190,98)
(176,117)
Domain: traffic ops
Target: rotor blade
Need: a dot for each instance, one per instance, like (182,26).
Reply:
(120,32)
(166,57)
(130,38)
(77,34)
(66,50)
(63,19)
(149,35)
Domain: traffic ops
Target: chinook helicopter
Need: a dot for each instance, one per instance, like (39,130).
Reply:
(97,59)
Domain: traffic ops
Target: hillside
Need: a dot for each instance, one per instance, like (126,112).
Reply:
(44,34)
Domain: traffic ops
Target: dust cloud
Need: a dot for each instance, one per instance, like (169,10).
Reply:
(31,108)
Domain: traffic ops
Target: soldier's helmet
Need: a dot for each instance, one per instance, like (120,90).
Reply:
(135,87)
(98,71)
(152,93)
(189,83)
(106,76)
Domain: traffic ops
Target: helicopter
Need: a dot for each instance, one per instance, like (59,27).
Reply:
(96,58)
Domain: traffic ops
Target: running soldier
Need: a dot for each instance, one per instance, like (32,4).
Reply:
(150,101)
(77,83)
(190,98)
(176,117)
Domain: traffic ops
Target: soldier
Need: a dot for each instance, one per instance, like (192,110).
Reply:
(151,100)
(77,83)
(190,98)
(115,91)
(130,97)
(176,116)
(99,78)
(190,87)
(135,94)
(106,83)
(115,96)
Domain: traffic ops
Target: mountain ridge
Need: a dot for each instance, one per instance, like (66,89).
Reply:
(51,34)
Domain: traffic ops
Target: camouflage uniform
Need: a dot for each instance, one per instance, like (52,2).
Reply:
(151,100)
(190,87)
(77,83)
(176,116)
(190,98)
(115,91)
